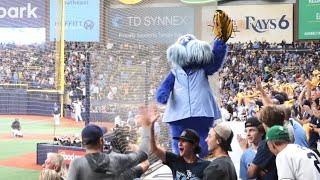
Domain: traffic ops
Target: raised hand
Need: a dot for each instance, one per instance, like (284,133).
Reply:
(258,84)
(243,142)
(153,114)
(147,116)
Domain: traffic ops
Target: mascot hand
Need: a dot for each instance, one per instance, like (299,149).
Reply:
(165,89)
(162,97)
(222,26)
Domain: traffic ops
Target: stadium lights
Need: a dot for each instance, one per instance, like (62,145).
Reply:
(197,1)
(130,1)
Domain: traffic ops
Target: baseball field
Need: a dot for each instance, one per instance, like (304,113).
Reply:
(18,155)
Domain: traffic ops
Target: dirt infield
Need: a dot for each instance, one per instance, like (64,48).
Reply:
(28,161)
(68,123)
(27,117)
(8,136)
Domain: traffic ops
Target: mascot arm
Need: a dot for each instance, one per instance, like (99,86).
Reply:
(219,52)
(165,89)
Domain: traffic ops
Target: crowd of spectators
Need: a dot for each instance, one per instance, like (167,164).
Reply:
(131,73)
(27,65)
(287,65)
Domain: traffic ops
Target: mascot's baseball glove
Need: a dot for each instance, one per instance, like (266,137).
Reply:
(222,26)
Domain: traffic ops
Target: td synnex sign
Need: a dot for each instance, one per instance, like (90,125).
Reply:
(158,21)
(22,13)
(152,25)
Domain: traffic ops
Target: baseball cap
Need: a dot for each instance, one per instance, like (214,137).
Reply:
(252,122)
(280,98)
(92,133)
(189,135)
(277,133)
(226,134)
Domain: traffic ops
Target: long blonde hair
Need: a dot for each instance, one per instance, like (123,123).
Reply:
(49,174)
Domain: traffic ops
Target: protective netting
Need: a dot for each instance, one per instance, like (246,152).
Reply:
(129,66)
(128,60)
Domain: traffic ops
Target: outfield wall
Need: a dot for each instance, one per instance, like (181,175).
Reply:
(19,101)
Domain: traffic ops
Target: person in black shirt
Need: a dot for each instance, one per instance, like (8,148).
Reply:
(16,128)
(313,112)
(219,143)
(187,165)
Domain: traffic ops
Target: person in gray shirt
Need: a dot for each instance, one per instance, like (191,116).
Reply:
(98,165)
(219,143)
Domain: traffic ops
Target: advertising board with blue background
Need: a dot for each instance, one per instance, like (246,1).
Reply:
(82,20)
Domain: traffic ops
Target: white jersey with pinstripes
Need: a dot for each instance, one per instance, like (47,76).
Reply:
(298,163)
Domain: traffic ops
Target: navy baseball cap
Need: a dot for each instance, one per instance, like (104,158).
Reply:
(189,135)
(252,122)
(92,133)
(280,98)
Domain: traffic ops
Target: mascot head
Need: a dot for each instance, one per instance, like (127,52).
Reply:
(189,52)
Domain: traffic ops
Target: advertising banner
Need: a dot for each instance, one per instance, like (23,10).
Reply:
(272,23)
(154,25)
(22,13)
(82,20)
(309,19)
(69,155)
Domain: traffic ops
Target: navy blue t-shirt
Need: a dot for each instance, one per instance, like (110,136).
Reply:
(181,170)
(266,161)
(314,137)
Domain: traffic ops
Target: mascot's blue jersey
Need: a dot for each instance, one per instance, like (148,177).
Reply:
(187,92)
(191,97)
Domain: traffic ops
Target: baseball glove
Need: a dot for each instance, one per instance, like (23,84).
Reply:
(222,26)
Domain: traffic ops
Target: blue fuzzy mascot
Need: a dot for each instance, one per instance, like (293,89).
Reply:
(186,91)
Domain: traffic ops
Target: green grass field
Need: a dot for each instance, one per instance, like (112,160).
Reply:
(37,127)
(17,173)
(11,148)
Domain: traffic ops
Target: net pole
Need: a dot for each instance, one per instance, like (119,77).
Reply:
(61,68)
(87,87)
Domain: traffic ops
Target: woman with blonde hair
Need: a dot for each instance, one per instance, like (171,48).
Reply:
(49,174)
